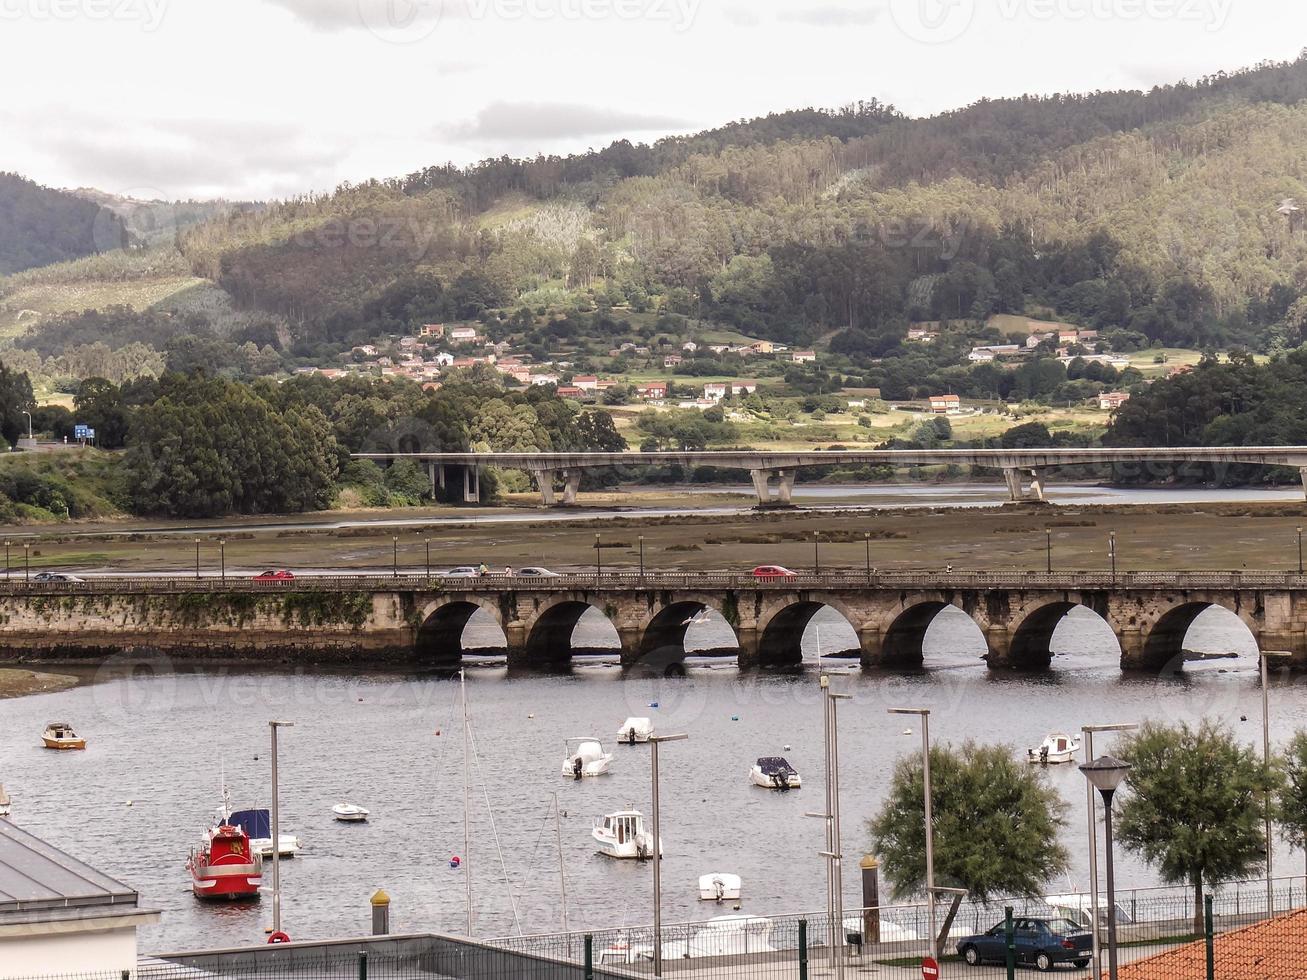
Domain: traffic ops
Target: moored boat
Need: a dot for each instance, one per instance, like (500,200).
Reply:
(224,866)
(588,759)
(60,735)
(774,772)
(1056,748)
(719,887)
(349,813)
(622,835)
(634,731)
(257,824)
(5,802)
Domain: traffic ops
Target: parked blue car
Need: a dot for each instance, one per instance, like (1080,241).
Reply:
(1041,943)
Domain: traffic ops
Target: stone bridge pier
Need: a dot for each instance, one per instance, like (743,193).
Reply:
(546,481)
(762,486)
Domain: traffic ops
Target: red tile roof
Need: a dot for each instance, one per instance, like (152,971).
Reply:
(1272,950)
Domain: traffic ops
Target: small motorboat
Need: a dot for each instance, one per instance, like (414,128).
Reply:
(1055,749)
(588,758)
(5,802)
(719,887)
(774,772)
(60,735)
(349,813)
(224,865)
(257,824)
(634,731)
(622,835)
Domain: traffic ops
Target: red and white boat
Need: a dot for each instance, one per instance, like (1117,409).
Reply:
(224,866)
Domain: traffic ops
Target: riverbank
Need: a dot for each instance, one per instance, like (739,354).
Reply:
(17,683)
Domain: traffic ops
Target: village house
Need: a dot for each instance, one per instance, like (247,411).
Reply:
(945,404)
(544,379)
(443,359)
(572,391)
(367,350)
(1112,400)
(464,335)
(1267,950)
(1035,339)
(803,356)
(762,347)
(715,391)
(586,382)
(690,346)
(672,360)
(744,387)
(983,355)
(652,390)
(432,330)
(921,335)
(719,348)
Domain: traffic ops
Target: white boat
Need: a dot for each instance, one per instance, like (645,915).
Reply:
(719,887)
(635,730)
(725,935)
(5,802)
(257,825)
(588,758)
(1056,748)
(773,772)
(60,735)
(622,835)
(349,813)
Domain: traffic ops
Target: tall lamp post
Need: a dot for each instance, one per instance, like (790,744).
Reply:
(642,558)
(866,536)
(394,556)
(29,426)
(1299,551)
(1106,775)
(1111,551)
(428,547)
(1089,731)
(27,562)
(197,559)
(276,829)
(654,742)
(1266,761)
(816,551)
(924,715)
(222,559)
(1048,550)
(7,544)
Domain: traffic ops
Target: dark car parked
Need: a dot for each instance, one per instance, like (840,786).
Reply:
(1042,943)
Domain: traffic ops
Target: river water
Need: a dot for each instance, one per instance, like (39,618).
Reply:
(160,744)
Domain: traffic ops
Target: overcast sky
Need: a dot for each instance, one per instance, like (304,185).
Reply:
(265,98)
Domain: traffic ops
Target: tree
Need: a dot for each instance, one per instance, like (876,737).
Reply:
(15,399)
(991,814)
(1293,795)
(1194,805)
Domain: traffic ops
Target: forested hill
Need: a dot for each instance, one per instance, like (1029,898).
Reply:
(40,226)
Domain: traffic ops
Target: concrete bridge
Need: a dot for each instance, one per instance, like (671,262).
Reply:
(773,473)
(412,619)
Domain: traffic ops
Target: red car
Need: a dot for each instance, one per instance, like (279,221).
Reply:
(770,573)
(274,575)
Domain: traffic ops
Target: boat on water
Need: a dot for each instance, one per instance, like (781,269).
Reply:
(724,935)
(5,802)
(60,735)
(774,772)
(1056,748)
(622,835)
(224,866)
(719,887)
(257,824)
(635,731)
(349,813)
(585,757)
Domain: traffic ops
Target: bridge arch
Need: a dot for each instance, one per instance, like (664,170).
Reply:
(903,641)
(549,631)
(439,639)
(781,633)
(1031,646)
(1164,646)
(664,632)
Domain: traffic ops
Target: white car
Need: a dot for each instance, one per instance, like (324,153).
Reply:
(463,571)
(534,571)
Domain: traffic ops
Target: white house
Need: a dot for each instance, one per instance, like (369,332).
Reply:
(803,356)
(744,387)
(945,404)
(444,359)
(715,391)
(463,335)
(59,915)
(982,355)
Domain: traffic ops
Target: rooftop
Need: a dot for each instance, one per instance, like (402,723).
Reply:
(1270,950)
(36,876)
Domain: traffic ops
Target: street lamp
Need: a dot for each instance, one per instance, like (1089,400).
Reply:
(924,714)
(276,829)
(1299,551)
(1106,775)
(1111,551)
(29,426)
(7,543)
(599,559)
(1266,761)
(834,853)
(642,558)
(27,562)
(1048,550)
(816,551)
(197,559)
(428,544)
(394,555)
(222,559)
(1089,731)
(866,536)
(654,742)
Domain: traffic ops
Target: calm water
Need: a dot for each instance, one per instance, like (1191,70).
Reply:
(163,741)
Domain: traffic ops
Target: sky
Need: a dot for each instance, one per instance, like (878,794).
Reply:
(260,99)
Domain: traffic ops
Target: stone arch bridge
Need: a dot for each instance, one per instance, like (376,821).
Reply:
(414,619)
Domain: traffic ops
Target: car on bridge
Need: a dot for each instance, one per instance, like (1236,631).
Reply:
(274,575)
(1042,943)
(56,577)
(535,571)
(463,571)
(771,573)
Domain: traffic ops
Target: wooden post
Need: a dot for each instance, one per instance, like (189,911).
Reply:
(870,899)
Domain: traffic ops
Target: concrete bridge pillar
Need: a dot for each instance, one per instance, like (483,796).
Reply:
(471,485)
(546,480)
(785,486)
(1012,477)
(571,484)
(1037,483)
(762,480)
(749,640)
(761,485)
(871,640)
(1302,474)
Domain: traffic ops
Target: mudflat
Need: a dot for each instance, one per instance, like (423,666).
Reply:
(17,683)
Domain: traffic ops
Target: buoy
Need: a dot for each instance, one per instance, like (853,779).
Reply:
(129,802)
(278,937)
(653,704)
(735,717)
(455,861)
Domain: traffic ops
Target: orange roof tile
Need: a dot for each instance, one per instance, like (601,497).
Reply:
(1272,950)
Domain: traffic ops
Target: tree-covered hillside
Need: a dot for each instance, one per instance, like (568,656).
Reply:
(40,226)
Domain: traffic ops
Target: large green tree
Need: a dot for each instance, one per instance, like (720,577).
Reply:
(1293,795)
(996,824)
(15,399)
(1194,804)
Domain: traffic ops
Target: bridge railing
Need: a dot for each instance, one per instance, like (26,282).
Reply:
(407,580)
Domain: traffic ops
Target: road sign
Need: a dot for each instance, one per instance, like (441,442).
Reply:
(90,433)
(79,431)
(929,969)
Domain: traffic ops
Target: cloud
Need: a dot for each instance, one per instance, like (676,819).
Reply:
(742,16)
(344,15)
(530,121)
(831,15)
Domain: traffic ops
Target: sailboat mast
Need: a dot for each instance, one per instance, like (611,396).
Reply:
(467,801)
(562,878)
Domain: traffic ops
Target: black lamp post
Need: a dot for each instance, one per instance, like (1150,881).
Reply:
(1299,551)
(394,555)
(27,562)
(197,559)
(866,537)
(1048,550)
(222,559)
(642,558)
(816,551)
(7,543)
(428,544)
(1106,774)
(1111,551)
(599,559)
